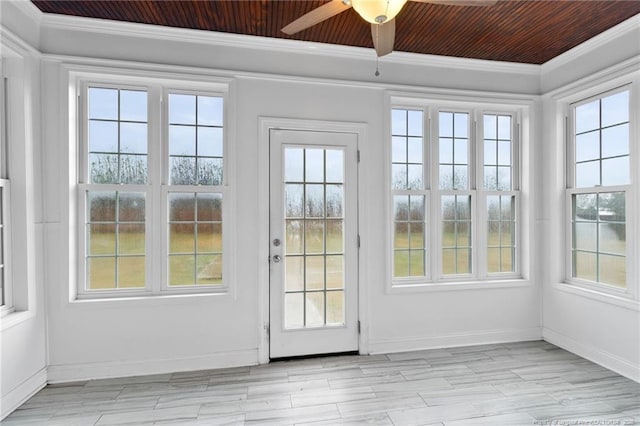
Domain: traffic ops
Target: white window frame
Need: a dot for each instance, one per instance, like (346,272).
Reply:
(5,240)
(7,305)
(157,186)
(434,278)
(425,192)
(630,291)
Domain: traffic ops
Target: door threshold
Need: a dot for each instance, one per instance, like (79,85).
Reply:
(311,356)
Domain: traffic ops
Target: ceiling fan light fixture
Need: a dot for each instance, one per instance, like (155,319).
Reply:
(378,11)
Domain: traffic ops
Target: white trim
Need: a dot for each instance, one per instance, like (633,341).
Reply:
(606,359)
(434,279)
(21,393)
(212,38)
(29,9)
(599,295)
(593,43)
(13,318)
(566,100)
(157,85)
(93,25)
(404,344)
(115,369)
(457,98)
(601,81)
(442,285)
(16,44)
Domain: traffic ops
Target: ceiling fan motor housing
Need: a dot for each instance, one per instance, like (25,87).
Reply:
(377,11)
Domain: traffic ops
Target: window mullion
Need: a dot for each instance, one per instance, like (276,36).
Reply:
(479,217)
(154,222)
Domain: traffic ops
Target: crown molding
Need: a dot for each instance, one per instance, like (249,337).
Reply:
(628,26)
(10,41)
(618,74)
(156,32)
(29,9)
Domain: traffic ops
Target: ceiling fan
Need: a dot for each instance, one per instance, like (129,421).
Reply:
(380,13)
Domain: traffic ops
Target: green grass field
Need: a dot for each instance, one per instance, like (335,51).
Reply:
(612,269)
(205,268)
(185,268)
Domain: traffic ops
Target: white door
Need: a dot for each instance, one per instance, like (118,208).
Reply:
(313,243)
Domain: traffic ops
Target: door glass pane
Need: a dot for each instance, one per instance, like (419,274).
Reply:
(314,241)
(335,307)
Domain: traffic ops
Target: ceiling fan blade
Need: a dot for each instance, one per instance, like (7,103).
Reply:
(383,36)
(316,16)
(459,2)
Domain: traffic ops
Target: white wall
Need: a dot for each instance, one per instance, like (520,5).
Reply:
(602,328)
(91,339)
(98,339)
(22,333)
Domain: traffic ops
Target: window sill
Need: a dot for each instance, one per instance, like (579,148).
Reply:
(623,299)
(11,319)
(443,286)
(113,301)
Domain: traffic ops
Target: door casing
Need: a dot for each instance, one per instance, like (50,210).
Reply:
(266,124)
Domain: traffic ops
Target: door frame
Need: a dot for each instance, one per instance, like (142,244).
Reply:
(265,125)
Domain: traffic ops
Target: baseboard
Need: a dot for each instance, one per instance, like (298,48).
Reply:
(105,370)
(403,344)
(22,392)
(594,354)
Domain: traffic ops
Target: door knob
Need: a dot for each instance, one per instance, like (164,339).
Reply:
(276,258)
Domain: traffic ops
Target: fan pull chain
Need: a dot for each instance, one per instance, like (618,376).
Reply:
(377,73)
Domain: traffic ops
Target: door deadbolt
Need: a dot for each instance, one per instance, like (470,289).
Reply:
(276,242)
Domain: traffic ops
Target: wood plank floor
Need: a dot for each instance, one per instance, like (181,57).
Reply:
(528,383)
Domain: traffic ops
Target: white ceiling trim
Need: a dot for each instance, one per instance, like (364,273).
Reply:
(92,25)
(29,9)
(628,26)
(12,42)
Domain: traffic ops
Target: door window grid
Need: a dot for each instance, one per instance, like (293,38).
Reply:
(599,175)
(314,237)
(117,109)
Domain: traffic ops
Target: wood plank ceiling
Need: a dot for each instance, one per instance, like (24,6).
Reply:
(514,31)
